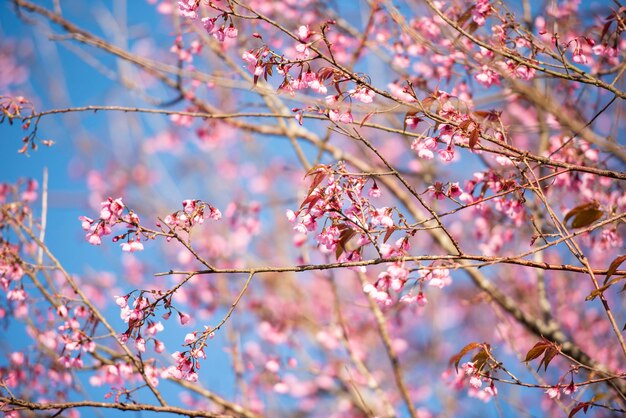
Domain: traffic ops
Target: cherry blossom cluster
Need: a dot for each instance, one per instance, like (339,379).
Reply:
(15,108)
(186,365)
(24,370)
(73,335)
(21,108)
(190,9)
(111,214)
(15,200)
(194,212)
(471,377)
(337,198)
(140,317)
(120,375)
(298,74)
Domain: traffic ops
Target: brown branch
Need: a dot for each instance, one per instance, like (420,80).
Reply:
(20,404)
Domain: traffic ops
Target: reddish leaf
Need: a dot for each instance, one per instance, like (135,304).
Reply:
(596,292)
(366,117)
(586,218)
(550,354)
(537,350)
(311,200)
(344,237)
(316,169)
(546,348)
(473,139)
(584,406)
(465,124)
(580,209)
(614,265)
(456,359)
(388,234)
(316,181)
(480,358)
(599,291)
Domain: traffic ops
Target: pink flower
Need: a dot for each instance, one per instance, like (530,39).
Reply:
(85,222)
(184,318)
(346,117)
(553,393)
(362,94)
(446,155)
(94,239)
(437,190)
(30,194)
(209,24)
(475,382)
(487,77)
(411,123)
(231,32)
(121,301)
(219,35)
(132,246)
(304,32)
(571,388)
(336,116)
(579,57)
(382,216)
(291,216)
(249,57)
(421,299)
(187,8)
(374,191)
(140,344)
(454,190)
(111,210)
(154,328)
(480,11)
(159,347)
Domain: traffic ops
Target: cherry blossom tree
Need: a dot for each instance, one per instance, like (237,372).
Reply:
(311,208)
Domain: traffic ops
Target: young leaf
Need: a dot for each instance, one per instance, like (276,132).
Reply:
(584,215)
(480,359)
(369,115)
(473,139)
(544,347)
(580,406)
(614,265)
(456,359)
(576,210)
(547,358)
(346,235)
(388,233)
(537,350)
(586,218)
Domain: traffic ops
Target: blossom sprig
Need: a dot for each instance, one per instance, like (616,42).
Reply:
(194,213)
(114,212)
(351,221)
(21,108)
(141,316)
(190,10)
